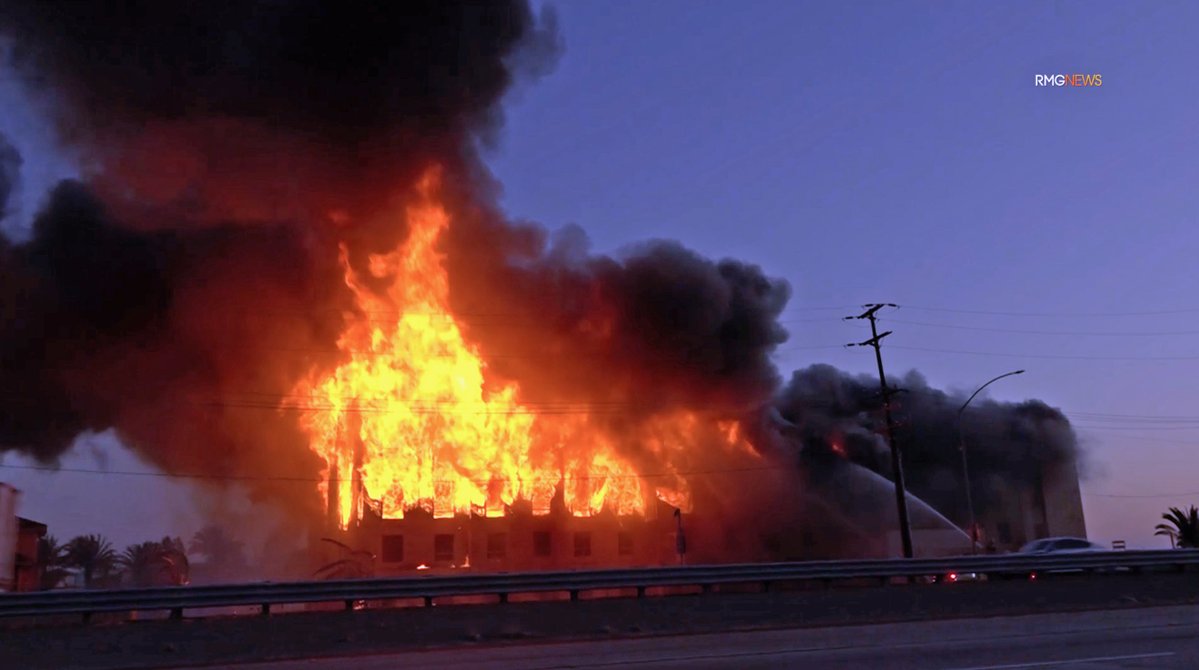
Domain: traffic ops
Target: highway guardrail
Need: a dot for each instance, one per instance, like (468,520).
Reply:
(176,599)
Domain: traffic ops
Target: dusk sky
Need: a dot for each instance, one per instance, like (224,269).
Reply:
(866,151)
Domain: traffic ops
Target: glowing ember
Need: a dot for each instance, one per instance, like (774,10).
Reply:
(408,409)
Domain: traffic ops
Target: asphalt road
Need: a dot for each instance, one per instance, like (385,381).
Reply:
(1163,637)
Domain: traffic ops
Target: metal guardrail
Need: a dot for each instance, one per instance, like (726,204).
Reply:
(176,599)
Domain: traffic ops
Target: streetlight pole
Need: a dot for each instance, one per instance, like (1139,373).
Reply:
(965,463)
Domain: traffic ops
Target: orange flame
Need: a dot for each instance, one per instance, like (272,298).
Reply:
(409,411)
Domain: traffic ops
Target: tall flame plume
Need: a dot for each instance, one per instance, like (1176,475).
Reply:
(409,412)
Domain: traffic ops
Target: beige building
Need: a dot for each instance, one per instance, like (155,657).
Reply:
(518,540)
(1051,507)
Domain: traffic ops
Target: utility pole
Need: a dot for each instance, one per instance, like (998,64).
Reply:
(901,499)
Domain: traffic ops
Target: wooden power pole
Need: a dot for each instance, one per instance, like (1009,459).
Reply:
(901,499)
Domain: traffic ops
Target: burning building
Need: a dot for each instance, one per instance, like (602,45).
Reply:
(410,417)
(283,271)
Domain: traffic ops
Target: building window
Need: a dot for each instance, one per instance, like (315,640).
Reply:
(541,544)
(443,548)
(393,548)
(582,544)
(624,543)
(497,545)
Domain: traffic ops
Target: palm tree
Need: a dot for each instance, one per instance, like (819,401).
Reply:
(174,554)
(50,557)
(92,554)
(223,554)
(1183,529)
(142,563)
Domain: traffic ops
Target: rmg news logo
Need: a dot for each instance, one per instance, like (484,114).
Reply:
(1068,80)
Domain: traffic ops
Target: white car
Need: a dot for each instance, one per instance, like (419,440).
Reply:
(1061,545)
(1058,546)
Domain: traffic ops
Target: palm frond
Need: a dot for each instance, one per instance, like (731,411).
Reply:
(343,545)
(1183,526)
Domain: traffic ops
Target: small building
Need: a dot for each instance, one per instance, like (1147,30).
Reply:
(20,566)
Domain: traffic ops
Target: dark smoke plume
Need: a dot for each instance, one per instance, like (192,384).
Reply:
(308,112)
(108,327)
(10,168)
(662,325)
(192,277)
(839,416)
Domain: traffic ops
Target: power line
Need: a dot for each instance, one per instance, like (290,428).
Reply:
(1056,314)
(1159,440)
(1018,331)
(170,475)
(452,315)
(1146,438)
(1142,496)
(321,480)
(1131,424)
(683,358)
(1045,356)
(1137,416)
(1124,428)
(520,318)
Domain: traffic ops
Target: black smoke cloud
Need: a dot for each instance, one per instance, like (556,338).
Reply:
(306,112)
(1010,444)
(362,73)
(153,333)
(10,168)
(654,328)
(192,276)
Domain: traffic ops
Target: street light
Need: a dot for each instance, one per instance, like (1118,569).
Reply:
(965,465)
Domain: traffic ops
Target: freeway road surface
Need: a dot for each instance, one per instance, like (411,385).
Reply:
(1163,637)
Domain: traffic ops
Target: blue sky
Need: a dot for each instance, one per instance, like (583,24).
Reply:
(880,151)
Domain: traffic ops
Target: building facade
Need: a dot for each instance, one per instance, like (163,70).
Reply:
(20,566)
(1050,507)
(519,539)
